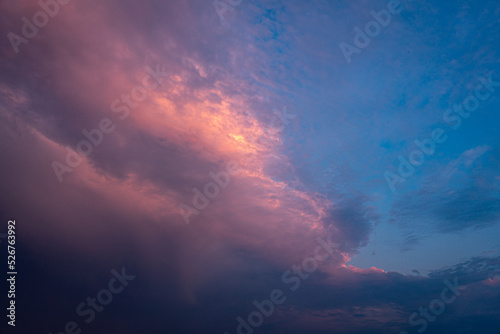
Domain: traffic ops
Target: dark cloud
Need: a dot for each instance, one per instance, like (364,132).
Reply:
(120,206)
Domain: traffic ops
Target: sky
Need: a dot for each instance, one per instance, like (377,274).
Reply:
(237,166)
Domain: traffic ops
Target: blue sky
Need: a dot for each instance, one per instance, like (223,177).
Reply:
(359,117)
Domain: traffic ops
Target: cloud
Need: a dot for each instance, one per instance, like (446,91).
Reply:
(462,195)
(120,206)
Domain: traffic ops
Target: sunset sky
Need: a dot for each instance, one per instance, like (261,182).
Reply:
(339,158)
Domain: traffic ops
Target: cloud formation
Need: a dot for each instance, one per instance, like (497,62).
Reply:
(168,96)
